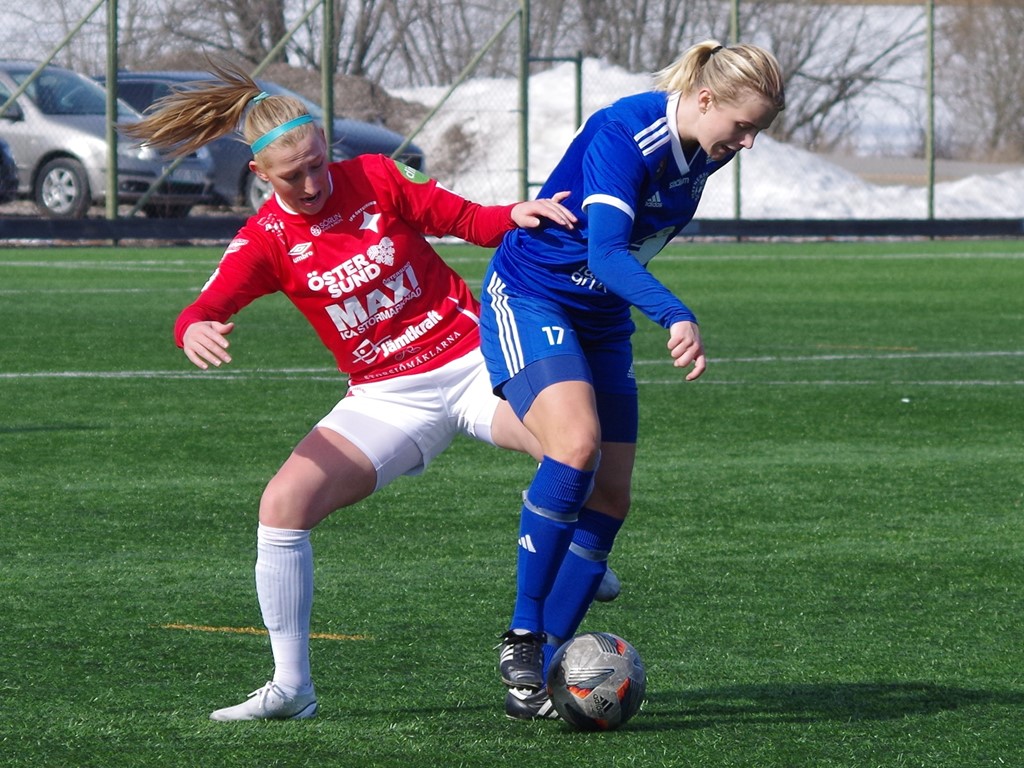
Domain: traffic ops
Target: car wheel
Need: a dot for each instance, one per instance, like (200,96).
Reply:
(257,191)
(167,211)
(62,189)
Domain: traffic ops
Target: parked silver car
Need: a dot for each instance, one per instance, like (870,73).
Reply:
(234,184)
(57,133)
(8,174)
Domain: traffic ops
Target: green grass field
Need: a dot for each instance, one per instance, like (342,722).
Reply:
(824,565)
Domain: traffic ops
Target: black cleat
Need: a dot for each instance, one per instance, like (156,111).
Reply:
(521,660)
(527,704)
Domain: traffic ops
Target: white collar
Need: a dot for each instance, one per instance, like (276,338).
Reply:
(671,112)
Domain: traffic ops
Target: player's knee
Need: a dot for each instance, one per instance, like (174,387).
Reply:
(283,506)
(274,507)
(577,450)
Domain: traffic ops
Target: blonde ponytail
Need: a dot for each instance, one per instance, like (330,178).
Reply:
(729,72)
(194,114)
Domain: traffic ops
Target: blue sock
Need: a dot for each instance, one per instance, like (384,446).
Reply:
(548,519)
(578,578)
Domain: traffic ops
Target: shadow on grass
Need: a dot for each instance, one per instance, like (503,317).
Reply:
(809,703)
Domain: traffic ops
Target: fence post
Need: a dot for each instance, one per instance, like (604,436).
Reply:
(524,100)
(327,72)
(112,185)
(929,138)
(737,195)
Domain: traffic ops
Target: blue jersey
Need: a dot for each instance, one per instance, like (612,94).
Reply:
(633,189)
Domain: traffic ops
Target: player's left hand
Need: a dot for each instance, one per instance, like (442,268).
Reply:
(529,214)
(686,348)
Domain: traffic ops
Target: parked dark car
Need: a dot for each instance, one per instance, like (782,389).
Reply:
(57,132)
(8,174)
(234,184)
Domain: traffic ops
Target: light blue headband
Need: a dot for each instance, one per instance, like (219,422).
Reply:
(274,133)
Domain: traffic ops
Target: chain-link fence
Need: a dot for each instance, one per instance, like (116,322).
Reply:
(878,122)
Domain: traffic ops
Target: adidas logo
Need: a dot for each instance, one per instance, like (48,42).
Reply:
(654,201)
(527,543)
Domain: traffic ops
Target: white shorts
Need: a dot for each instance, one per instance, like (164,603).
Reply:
(403,423)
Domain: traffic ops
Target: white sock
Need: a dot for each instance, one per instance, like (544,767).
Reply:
(284,586)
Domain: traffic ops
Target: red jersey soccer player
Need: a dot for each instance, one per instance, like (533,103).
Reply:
(360,269)
(344,241)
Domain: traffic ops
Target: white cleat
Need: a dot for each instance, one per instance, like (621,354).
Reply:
(609,587)
(270,703)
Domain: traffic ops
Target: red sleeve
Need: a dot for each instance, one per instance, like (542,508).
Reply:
(245,273)
(437,211)
(484,224)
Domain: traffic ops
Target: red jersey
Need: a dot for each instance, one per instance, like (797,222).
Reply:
(380,298)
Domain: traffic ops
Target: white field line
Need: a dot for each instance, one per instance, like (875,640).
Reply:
(852,383)
(325,374)
(675,256)
(262,374)
(182,265)
(97,291)
(830,358)
(117,266)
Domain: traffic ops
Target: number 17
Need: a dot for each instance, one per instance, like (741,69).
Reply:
(555,334)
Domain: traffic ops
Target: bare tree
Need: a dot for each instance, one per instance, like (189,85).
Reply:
(139,40)
(434,40)
(981,78)
(833,55)
(644,35)
(637,35)
(830,62)
(361,27)
(243,30)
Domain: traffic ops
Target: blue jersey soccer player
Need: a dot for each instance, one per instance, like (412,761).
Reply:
(556,326)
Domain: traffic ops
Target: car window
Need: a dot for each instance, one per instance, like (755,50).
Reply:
(60,93)
(139,95)
(13,111)
(57,94)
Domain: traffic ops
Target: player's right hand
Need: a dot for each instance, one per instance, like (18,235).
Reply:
(205,344)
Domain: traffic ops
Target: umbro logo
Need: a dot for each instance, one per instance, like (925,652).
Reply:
(654,201)
(527,543)
(301,252)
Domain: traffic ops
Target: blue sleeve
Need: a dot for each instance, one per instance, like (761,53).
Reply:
(613,174)
(614,264)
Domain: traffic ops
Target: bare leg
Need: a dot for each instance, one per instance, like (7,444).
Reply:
(325,472)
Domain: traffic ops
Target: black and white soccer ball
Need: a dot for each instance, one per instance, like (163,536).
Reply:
(596,681)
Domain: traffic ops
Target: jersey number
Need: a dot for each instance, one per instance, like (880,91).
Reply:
(555,334)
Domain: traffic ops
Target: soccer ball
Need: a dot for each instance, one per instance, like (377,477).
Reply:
(596,681)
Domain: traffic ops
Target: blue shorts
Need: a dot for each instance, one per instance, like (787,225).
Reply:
(531,342)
